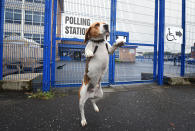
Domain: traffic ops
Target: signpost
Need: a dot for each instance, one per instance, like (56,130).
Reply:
(174,34)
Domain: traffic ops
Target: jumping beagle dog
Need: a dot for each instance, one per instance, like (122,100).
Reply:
(97,58)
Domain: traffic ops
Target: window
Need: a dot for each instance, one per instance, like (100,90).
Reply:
(29,0)
(36,37)
(42,39)
(34,18)
(36,1)
(193,49)
(39,1)
(28,17)
(17,16)
(13,16)
(7,34)
(131,51)
(28,36)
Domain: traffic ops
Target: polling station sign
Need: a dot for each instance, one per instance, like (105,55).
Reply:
(74,26)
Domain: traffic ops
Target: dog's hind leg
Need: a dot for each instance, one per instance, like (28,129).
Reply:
(82,100)
(98,96)
(93,101)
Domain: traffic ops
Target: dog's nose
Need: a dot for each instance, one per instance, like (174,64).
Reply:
(106,27)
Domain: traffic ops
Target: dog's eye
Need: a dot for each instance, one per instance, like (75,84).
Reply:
(98,24)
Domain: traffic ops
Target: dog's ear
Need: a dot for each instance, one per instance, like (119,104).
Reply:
(87,35)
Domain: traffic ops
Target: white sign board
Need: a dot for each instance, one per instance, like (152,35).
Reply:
(74,26)
(174,34)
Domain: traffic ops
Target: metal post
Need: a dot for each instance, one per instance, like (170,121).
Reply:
(1,37)
(45,47)
(155,39)
(47,44)
(184,38)
(54,43)
(22,19)
(112,40)
(161,42)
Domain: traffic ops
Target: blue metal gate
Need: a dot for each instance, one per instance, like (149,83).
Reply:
(50,40)
(68,61)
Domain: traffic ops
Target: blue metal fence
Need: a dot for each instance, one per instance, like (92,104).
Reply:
(141,33)
(70,73)
(1,37)
(182,72)
(22,39)
(47,45)
(179,57)
(188,52)
(161,42)
(142,30)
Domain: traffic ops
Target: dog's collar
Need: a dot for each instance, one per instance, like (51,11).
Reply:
(98,41)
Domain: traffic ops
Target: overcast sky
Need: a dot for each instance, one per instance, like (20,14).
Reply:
(135,17)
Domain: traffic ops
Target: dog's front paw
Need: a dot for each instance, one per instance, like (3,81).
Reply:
(83,123)
(89,53)
(120,42)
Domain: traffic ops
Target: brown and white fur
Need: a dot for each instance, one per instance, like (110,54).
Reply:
(96,65)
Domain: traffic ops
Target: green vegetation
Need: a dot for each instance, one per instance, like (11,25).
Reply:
(42,95)
(117,60)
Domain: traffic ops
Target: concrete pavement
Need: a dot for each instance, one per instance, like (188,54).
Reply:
(125,108)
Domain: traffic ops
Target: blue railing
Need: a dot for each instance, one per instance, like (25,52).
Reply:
(119,71)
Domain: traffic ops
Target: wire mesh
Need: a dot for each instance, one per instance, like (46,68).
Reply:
(172,50)
(24,35)
(190,38)
(23,39)
(137,18)
(73,18)
(173,18)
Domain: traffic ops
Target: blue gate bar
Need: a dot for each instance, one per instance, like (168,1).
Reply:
(155,39)
(139,44)
(121,33)
(45,47)
(112,40)
(81,40)
(77,84)
(1,37)
(184,38)
(54,43)
(161,42)
(47,44)
(70,39)
(134,82)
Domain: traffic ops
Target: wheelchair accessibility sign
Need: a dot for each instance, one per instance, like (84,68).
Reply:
(174,34)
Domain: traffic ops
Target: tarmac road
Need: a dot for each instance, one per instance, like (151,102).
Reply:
(131,108)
